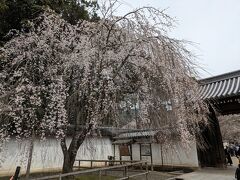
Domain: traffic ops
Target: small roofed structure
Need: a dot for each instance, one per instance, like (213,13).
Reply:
(154,146)
(144,138)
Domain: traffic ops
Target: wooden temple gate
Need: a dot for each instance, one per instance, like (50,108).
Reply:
(222,93)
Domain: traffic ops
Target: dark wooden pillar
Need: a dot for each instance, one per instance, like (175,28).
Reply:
(140,146)
(114,152)
(131,157)
(151,156)
(213,155)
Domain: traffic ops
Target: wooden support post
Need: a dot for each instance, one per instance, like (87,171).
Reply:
(131,158)
(140,146)
(146,164)
(140,150)
(161,153)
(105,172)
(100,175)
(126,170)
(114,152)
(79,164)
(151,157)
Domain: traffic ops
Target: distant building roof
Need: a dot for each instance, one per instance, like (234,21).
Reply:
(225,85)
(145,133)
(123,141)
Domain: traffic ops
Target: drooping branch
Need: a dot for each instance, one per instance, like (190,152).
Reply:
(94,73)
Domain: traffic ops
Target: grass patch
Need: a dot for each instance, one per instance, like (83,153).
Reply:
(94,177)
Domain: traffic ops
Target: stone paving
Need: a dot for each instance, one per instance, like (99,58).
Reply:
(211,173)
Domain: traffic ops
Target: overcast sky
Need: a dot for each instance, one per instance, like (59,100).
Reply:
(213,24)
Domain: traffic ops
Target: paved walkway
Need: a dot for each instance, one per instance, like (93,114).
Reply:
(201,174)
(212,173)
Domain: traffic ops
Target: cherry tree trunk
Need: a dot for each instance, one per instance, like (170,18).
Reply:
(29,163)
(68,162)
(71,152)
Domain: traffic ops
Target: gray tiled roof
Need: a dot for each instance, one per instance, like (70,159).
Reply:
(225,85)
(145,133)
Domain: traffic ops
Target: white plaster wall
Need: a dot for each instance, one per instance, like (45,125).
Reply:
(48,154)
(177,154)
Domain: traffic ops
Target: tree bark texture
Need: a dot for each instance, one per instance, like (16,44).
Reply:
(70,153)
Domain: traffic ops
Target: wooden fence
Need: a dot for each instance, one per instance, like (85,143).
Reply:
(106,162)
(104,169)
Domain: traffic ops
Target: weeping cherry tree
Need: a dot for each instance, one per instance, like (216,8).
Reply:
(66,80)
